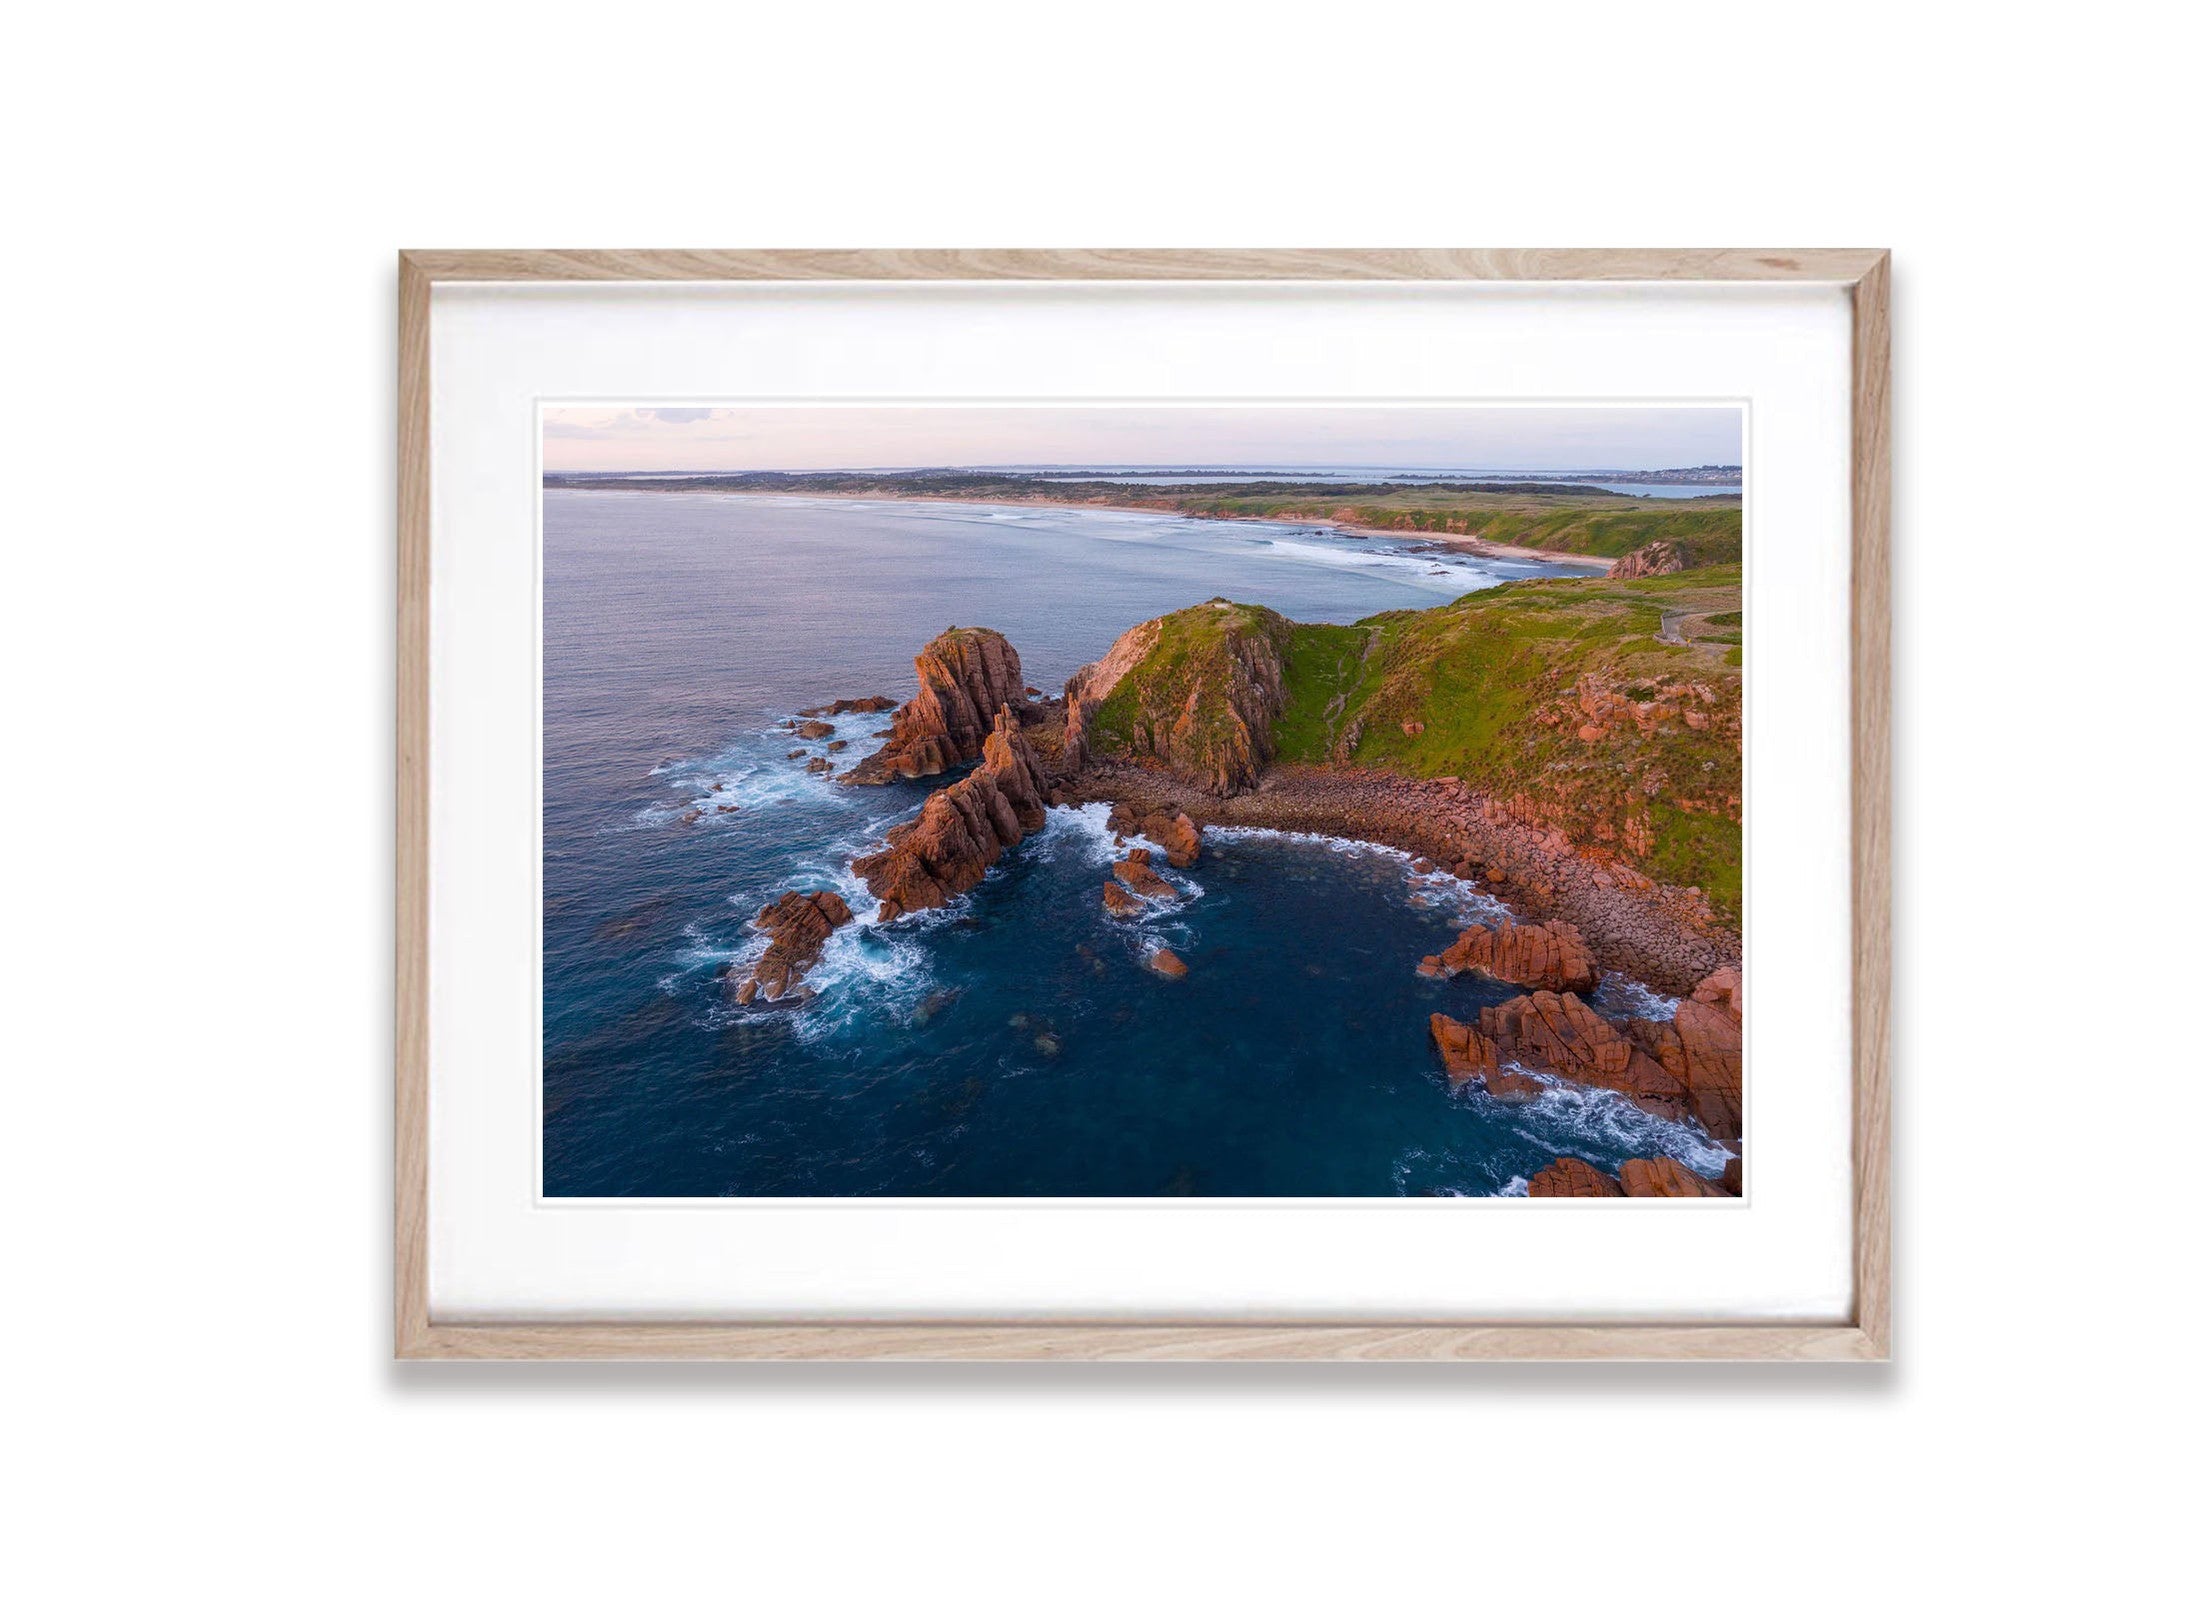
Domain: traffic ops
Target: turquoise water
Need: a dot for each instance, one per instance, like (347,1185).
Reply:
(1012,1044)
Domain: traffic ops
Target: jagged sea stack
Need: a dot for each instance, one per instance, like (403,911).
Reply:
(964,676)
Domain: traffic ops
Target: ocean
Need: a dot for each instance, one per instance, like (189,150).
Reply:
(1012,1044)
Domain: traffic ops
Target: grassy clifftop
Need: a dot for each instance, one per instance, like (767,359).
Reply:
(1198,689)
(1560,524)
(1610,709)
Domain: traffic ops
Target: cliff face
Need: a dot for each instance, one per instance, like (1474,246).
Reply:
(964,828)
(1651,560)
(964,677)
(1197,691)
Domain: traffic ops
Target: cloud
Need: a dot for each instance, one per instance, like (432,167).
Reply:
(1493,437)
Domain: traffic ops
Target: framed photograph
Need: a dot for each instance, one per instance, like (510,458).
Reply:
(1138,804)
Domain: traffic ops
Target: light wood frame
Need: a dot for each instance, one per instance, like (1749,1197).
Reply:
(1863,1336)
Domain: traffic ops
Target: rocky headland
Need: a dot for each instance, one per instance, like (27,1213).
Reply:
(1571,746)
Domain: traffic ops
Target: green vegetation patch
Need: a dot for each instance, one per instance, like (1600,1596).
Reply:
(1192,663)
(1324,668)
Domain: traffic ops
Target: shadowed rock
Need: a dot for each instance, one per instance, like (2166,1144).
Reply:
(967,675)
(963,828)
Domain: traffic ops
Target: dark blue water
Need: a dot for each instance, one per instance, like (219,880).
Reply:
(1014,1043)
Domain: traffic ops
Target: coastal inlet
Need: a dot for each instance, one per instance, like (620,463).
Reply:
(963,990)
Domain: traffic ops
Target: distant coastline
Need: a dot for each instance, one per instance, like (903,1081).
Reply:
(1540,521)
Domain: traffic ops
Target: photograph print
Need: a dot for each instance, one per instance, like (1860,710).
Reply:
(1142,801)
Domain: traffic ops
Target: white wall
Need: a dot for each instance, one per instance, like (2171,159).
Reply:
(197,604)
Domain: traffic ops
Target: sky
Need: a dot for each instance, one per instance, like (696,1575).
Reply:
(798,438)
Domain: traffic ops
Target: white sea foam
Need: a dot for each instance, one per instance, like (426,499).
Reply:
(753,772)
(1232,833)
(1514,1189)
(1080,833)
(1618,995)
(1569,1120)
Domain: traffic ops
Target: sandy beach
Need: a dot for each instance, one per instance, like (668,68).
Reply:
(1464,541)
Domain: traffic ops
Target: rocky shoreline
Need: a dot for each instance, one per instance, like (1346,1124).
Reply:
(1576,915)
(1663,936)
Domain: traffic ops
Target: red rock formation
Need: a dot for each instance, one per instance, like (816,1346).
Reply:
(1651,560)
(963,828)
(1092,684)
(1701,1048)
(1214,722)
(1136,874)
(1721,990)
(1468,1054)
(869,703)
(1176,833)
(965,676)
(1167,963)
(798,924)
(1663,1178)
(1730,1178)
(1551,956)
(1567,1178)
(1119,900)
(1553,1035)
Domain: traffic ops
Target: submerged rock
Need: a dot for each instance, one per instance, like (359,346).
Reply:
(963,829)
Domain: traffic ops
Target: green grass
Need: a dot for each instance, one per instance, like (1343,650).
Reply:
(1322,666)
(1499,686)
(1193,660)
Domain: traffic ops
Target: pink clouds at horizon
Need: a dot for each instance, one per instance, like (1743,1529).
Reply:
(797,438)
